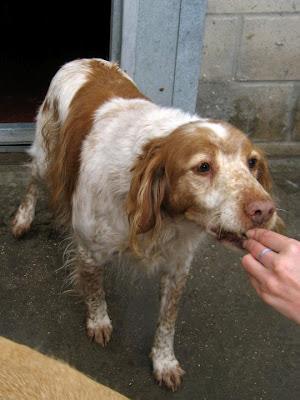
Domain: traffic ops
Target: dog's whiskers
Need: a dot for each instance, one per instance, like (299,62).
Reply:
(281,209)
(212,221)
(220,232)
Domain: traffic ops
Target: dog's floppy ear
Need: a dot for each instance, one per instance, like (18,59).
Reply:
(147,192)
(264,176)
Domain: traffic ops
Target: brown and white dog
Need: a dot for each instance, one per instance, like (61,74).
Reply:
(131,178)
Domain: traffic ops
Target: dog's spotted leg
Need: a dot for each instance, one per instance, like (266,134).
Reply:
(24,216)
(89,282)
(166,368)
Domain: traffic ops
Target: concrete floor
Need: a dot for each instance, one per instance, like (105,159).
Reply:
(231,345)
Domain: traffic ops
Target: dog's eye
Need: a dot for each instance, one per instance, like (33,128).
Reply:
(252,162)
(203,168)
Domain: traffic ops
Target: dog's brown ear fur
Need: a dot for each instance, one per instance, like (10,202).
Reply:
(147,193)
(264,176)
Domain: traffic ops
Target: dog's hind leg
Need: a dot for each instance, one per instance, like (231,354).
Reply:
(24,216)
(88,279)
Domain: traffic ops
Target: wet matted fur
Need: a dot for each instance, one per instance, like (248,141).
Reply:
(143,183)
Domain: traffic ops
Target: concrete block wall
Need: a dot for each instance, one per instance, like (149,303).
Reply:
(250,71)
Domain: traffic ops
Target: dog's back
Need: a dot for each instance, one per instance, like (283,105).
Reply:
(26,374)
(65,118)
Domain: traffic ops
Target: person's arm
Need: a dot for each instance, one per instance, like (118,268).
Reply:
(273,266)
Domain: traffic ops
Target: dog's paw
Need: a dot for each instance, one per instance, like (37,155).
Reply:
(99,331)
(19,227)
(21,222)
(168,373)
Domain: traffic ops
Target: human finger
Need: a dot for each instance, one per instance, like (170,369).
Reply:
(270,239)
(255,269)
(281,305)
(263,254)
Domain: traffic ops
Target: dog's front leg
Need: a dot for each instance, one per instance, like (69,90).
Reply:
(166,368)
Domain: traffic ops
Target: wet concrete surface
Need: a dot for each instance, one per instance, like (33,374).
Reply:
(231,345)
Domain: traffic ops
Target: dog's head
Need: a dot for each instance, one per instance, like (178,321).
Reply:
(208,171)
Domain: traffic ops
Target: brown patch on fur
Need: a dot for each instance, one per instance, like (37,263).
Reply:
(147,192)
(104,83)
(263,172)
(233,142)
(236,138)
(265,179)
(51,128)
(155,175)
(157,189)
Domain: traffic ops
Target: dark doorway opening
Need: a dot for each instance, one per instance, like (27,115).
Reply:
(39,37)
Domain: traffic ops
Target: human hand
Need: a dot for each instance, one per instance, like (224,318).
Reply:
(273,266)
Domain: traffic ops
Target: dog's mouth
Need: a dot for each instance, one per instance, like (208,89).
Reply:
(228,238)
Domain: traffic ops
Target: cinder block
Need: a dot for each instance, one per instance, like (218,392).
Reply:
(296,115)
(270,48)
(261,110)
(220,45)
(252,6)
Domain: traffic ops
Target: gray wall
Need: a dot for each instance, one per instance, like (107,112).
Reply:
(159,44)
(251,68)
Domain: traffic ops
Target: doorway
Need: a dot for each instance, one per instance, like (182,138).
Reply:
(36,40)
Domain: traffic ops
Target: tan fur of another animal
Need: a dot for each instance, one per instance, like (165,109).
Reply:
(26,374)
